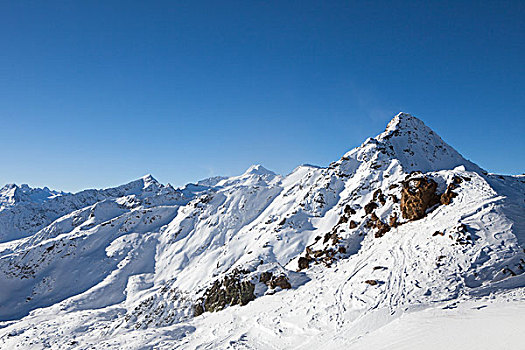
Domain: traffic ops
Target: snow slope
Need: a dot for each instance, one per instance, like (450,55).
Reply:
(480,324)
(127,267)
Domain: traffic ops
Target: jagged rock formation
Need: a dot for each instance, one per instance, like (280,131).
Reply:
(447,196)
(231,290)
(417,196)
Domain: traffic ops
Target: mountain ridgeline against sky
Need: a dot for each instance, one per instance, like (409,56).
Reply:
(320,256)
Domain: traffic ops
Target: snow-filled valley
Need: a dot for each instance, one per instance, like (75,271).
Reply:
(400,244)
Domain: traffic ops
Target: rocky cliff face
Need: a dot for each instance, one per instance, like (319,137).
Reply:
(401,221)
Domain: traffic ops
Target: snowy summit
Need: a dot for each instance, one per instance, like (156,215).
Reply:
(401,243)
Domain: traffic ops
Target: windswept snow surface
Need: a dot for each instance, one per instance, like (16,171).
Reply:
(124,267)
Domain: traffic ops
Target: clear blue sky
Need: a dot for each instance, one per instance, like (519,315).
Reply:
(97,93)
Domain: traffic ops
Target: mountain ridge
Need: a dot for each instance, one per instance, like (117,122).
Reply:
(321,251)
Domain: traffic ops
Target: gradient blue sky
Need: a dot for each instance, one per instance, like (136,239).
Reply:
(97,93)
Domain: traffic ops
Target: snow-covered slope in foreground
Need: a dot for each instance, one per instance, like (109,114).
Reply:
(399,235)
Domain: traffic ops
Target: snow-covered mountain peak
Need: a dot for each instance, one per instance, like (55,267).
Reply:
(405,121)
(255,174)
(414,145)
(150,181)
(149,178)
(7,195)
(12,194)
(257,169)
(146,184)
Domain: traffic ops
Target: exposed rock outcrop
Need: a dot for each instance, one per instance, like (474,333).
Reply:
(446,197)
(381,227)
(326,255)
(417,196)
(231,290)
(393,220)
(274,281)
(265,277)
(303,263)
(280,281)
(379,196)
(349,210)
(370,207)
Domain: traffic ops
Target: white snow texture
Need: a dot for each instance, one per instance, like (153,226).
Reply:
(125,267)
